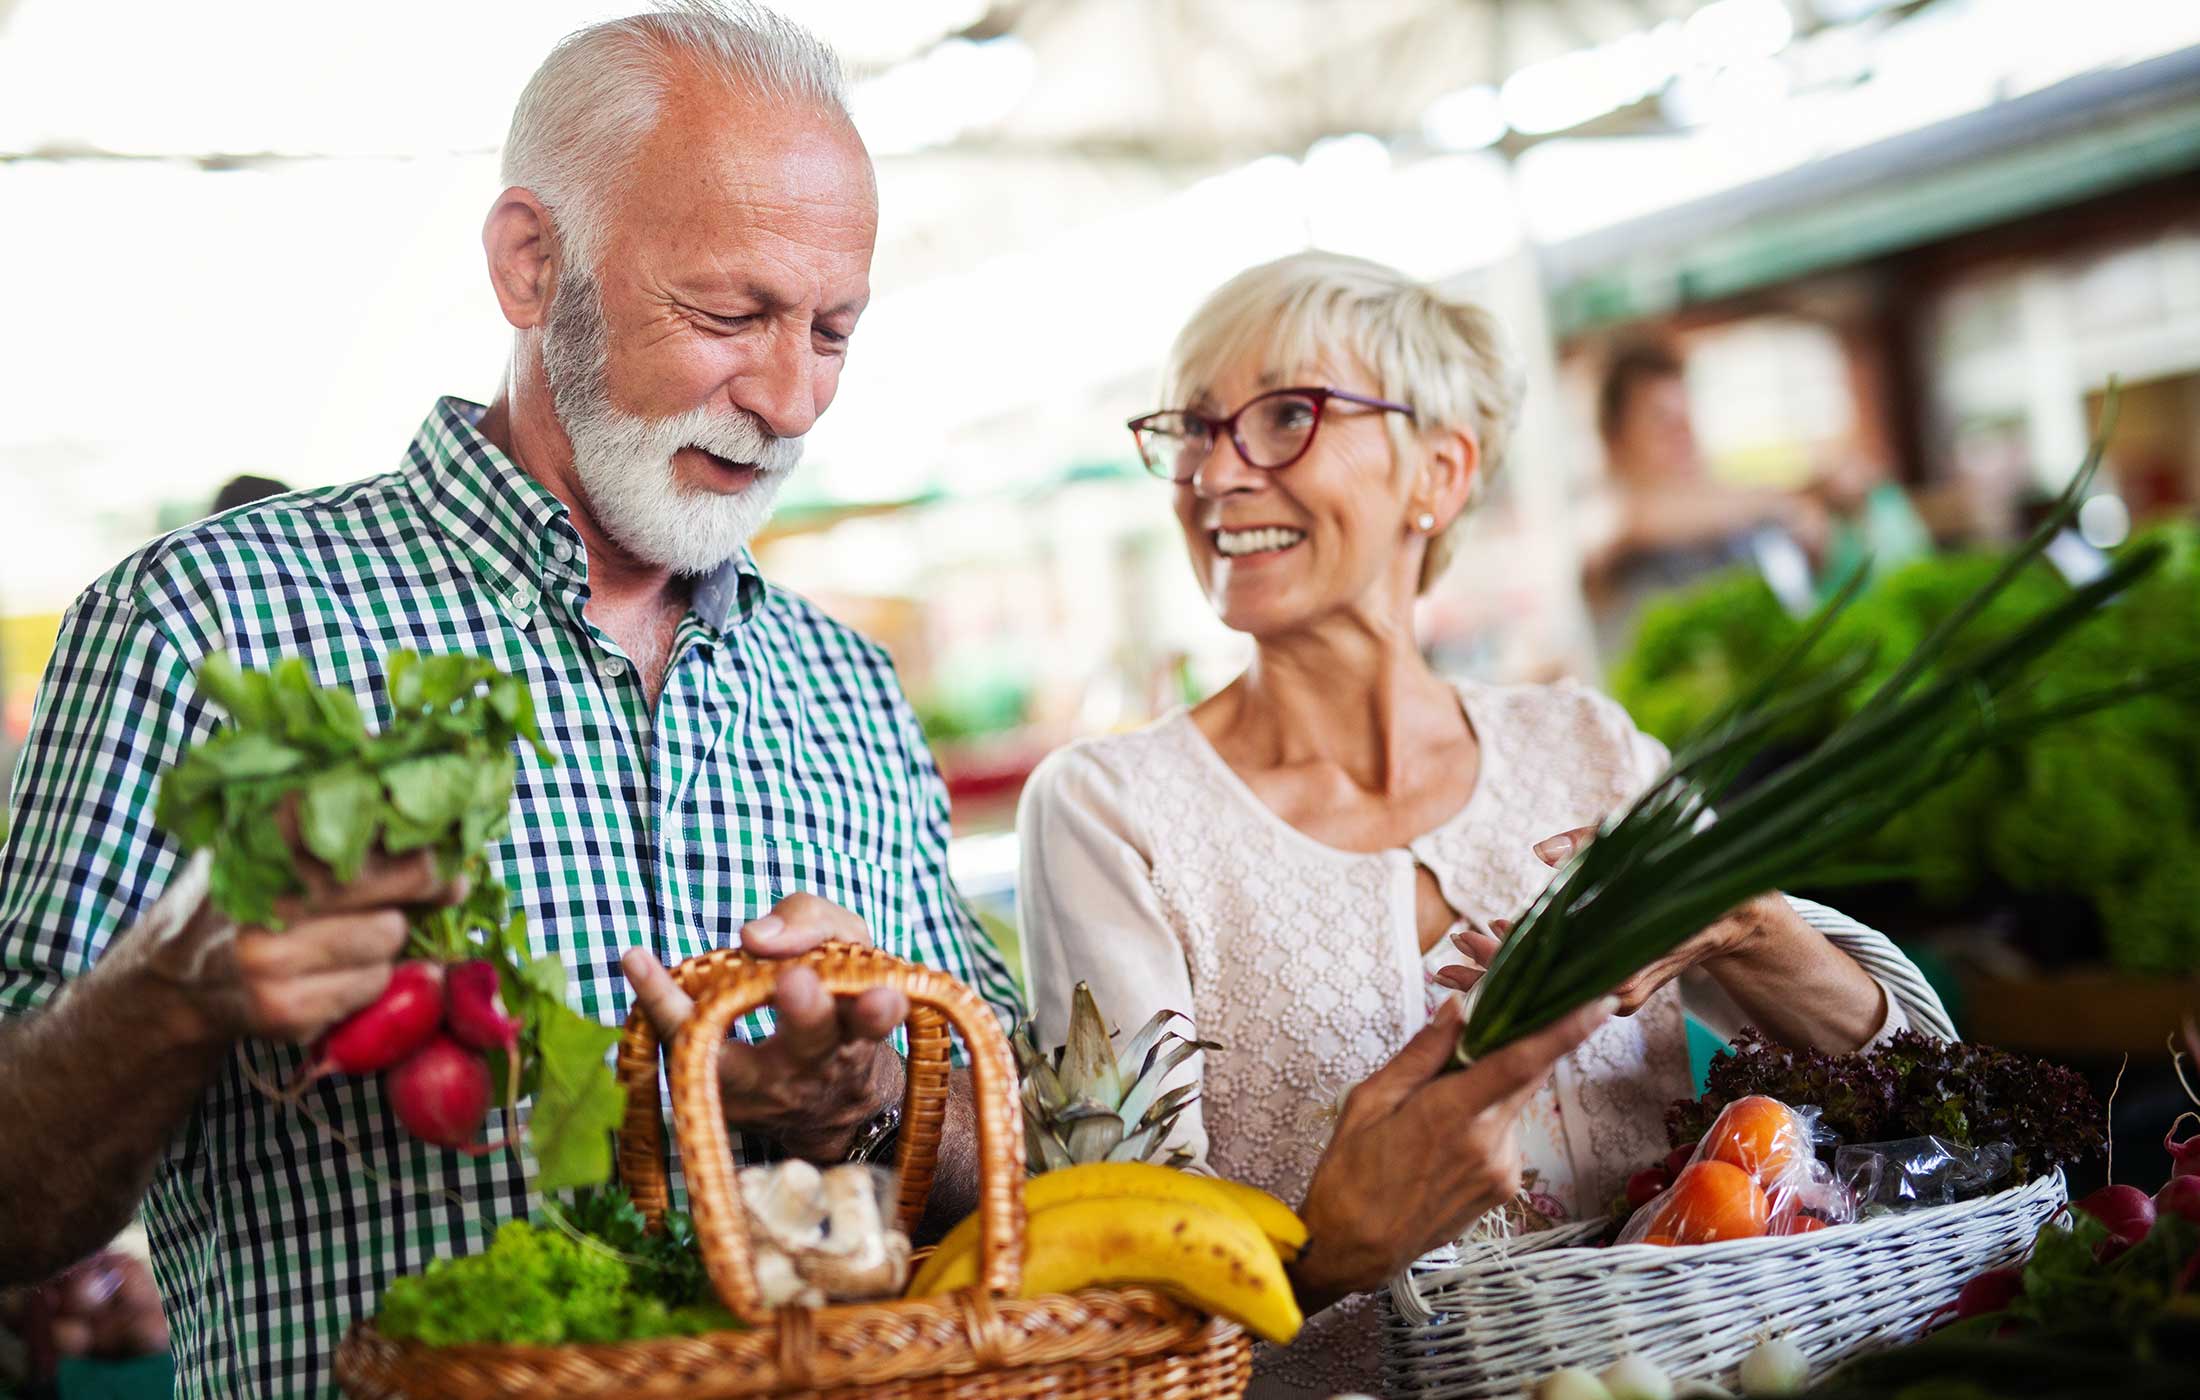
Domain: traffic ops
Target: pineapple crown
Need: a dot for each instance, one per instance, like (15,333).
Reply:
(1086,1103)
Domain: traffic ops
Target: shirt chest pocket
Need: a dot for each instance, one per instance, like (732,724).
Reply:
(874,893)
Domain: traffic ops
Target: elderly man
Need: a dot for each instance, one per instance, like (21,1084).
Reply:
(684,253)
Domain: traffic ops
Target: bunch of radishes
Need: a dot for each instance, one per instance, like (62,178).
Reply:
(429,1034)
(2128,1215)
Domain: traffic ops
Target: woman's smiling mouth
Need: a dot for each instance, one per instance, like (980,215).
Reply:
(1263,539)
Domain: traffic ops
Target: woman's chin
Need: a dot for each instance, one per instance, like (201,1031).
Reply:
(1257,615)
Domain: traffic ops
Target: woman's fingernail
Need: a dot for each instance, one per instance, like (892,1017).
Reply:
(1609,1005)
(1555,848)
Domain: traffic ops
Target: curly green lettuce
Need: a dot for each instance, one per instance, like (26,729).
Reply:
(540,1287)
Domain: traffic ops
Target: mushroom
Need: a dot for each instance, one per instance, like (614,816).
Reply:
(779,1285)
(786,1201)
(860,1257)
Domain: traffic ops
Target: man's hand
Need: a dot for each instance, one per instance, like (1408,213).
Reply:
(332,957)
(1733,933)
(1419,1154)
(826,1069)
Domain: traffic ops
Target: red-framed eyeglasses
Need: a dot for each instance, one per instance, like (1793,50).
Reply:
(1270,431)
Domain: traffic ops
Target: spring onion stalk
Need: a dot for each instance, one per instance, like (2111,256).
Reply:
(1663,870)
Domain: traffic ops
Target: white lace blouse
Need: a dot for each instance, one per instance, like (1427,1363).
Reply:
(1152,872)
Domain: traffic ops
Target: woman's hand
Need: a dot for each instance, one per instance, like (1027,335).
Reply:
(1419,1154)
(1785,977)
(1739,931)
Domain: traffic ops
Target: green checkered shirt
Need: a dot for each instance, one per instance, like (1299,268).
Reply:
(780,757)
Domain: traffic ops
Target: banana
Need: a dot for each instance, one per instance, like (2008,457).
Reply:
(1276,1220)
(1095,1180)
(1213,1259)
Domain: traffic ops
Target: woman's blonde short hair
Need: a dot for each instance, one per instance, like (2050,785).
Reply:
(1445,357)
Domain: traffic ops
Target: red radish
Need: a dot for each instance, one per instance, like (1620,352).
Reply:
(2126,1211)
(2184,1157)
(1644,1186)
(376,1036)
(441,1095)
(1990,1292)
(2181,1196)
(475,1008)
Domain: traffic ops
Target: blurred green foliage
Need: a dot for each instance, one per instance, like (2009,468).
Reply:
(2102,807)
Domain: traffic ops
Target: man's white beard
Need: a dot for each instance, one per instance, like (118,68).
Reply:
(624,461)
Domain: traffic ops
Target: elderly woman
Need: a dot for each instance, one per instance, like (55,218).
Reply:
(1306,863)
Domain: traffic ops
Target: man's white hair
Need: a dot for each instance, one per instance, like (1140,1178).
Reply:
(596,97)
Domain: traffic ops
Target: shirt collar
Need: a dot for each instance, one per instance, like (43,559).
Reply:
(515,532)
(731,595)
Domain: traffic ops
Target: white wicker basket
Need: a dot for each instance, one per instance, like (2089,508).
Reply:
(1493,1320)
(1506,1315)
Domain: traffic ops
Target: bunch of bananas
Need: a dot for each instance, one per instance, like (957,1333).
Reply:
(1219,1245)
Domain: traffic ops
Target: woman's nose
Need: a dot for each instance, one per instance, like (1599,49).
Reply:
(1225,470)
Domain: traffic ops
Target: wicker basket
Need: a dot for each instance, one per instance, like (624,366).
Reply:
(1503,1316)
(981,1344)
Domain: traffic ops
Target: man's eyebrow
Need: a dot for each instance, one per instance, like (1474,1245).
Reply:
(770,300)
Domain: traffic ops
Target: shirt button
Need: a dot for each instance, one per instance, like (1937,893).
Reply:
(613,667)
(561,548)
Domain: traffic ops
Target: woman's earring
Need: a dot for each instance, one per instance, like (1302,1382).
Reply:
(1424,522)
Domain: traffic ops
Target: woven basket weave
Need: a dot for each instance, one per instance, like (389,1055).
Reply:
(980,1344)
(1493,1320)
(1506,1315)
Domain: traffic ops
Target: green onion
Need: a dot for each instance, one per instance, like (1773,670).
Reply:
(1661,871)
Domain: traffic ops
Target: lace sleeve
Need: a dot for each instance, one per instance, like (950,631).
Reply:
(1088,913)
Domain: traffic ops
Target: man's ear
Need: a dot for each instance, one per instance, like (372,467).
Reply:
(522,248)
(1448,475)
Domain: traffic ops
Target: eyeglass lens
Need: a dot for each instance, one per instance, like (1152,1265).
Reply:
(1272,431)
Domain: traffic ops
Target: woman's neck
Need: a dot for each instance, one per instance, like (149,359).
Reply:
(1359,699)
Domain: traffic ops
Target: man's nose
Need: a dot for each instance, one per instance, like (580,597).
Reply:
(781,388)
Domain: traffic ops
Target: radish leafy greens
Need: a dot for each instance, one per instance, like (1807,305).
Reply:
(296,773)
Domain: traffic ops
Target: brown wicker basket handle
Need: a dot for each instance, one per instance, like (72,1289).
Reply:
(727,985)
(642,1135)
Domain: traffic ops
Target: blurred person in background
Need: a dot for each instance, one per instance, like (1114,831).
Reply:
(1310,863)
(244,490)
(1875,523)
(1667,521)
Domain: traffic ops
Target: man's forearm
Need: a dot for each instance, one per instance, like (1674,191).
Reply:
(955,1179)
(92,1087)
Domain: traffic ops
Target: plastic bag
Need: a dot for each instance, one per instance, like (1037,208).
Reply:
(823,1237)
(1920,1171)
(1755,1173)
